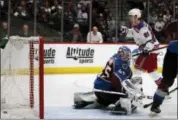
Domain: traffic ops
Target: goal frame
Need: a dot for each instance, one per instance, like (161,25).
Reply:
(33,43)
(40,73)
(41,76)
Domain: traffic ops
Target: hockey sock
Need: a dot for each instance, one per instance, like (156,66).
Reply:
(159,97)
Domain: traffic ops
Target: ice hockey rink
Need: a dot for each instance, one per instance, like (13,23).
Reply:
(59,90)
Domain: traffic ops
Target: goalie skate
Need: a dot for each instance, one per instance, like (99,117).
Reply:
(122,111)
(119,110)
(81,104)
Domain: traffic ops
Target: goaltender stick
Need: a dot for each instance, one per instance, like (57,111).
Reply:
(115,78)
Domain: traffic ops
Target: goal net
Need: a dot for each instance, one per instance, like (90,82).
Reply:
(22,86)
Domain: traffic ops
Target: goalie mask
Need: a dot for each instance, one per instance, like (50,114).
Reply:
(124,53)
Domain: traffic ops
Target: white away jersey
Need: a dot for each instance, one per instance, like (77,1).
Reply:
(142,33)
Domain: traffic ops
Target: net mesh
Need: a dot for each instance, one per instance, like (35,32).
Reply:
(20,78)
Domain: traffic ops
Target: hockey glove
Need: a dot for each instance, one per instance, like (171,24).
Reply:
(149,46)
(145,52)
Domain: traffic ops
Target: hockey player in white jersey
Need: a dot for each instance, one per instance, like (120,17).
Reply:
(146,41)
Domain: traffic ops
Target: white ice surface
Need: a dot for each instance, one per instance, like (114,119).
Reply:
(59,105)
(59,90)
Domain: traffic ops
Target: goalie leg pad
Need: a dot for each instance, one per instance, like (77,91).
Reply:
(81,100)
(87,97)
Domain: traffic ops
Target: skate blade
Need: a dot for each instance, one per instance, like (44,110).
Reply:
(118,113)
(74,106)
(153,114)
(134,109)
(168,97)
(77,106)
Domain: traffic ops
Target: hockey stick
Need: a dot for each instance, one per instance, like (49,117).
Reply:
(115,93)
(149,104)
(150,51)
(109,92)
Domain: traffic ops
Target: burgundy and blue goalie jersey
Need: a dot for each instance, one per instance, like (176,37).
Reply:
(115,71)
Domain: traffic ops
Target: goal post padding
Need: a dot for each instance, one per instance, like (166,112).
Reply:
(22,74)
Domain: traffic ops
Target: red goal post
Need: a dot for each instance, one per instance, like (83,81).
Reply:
(22,75)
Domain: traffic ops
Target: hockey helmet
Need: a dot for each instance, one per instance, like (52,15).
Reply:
(135,12)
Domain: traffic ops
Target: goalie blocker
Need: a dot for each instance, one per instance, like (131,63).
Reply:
(116,76)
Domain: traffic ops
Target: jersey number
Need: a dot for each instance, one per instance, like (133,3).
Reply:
(106,72)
